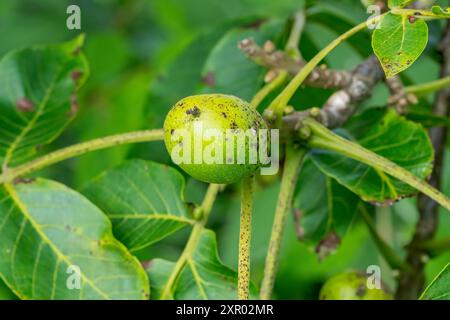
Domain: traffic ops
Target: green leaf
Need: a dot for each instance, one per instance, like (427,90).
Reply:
(389,135)
(439,288)
(5,292)
(143,199)
(46,231)
(326,206)
(399,41)
(202,277)
(219,77)
(121,107)
(37,100)
(399,3)
(441,12)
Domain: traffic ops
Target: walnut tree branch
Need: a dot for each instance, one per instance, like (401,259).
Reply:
(411,283)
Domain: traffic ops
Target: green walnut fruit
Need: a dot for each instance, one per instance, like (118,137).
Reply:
(352,286)
(200,133)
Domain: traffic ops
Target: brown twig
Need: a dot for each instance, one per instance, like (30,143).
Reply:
(399,99)
(411,283)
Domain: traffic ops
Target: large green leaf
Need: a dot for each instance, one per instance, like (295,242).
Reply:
(37,97)
(143,199)
(399,3)
(389,135)
(439,288)
(399,41)
(218,75)
(202,277)
(47,232)
(325,205)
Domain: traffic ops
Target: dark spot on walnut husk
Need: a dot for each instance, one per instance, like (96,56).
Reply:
(20,180)
(195,112)
(25,105)
(327,245)
(172,131)
(224,115)
(233,125)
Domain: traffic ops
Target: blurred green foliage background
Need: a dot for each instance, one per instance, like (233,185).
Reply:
(147,54)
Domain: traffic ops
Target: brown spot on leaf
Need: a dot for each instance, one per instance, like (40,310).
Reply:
(20,180)
(299,231)
(76,75)
(412,19)
(25,105)
(209,79)
(254,25)
(73,105)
